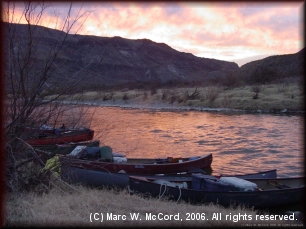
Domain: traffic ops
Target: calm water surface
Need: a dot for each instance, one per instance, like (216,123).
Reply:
(240,143)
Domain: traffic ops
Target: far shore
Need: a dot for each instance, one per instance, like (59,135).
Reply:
(273,99)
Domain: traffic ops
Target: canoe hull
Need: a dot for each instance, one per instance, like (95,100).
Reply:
(62,138)
(140,168)
(101,178)
(94,178)
(257,199)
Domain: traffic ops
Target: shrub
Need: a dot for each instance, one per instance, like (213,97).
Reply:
(255,96)
(164,94)
(154,87)
(145,95)
(256,88)
(137,94)
(107,96)
(226,101)
(173,98)
(125,97)
(282,88)
(212,94)
(194,95)
(231,80)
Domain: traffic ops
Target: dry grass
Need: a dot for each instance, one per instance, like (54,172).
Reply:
(269,98)
(73,206)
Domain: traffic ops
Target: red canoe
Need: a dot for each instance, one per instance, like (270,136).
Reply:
(141,165)
(62,137)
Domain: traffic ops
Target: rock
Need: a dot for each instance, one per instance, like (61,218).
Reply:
(284,111)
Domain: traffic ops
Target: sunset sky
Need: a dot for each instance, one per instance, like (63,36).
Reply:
(231,31)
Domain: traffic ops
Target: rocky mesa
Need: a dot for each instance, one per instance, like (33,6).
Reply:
(116,60)
(110,61)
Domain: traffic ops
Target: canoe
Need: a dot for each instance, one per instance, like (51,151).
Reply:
(257,175)
(140,166)
(45,152)
(75,135)
(45,130)
(257,193)
(95,178)
(67,147)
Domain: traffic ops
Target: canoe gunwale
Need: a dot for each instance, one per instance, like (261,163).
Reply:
(203,162)
(62,138)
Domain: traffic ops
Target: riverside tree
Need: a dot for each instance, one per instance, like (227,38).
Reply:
(34,56)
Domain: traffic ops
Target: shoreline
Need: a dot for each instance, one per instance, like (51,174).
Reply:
(285,98)
(159,106)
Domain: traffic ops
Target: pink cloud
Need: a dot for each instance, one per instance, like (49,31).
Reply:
(233,29)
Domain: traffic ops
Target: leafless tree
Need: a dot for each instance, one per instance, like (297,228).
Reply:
(32,87)
(193,95)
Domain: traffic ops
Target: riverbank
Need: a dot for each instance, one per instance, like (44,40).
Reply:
(72,206)
(273,98)
(78,206)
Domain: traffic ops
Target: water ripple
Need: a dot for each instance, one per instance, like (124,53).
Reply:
(156,131)
(243,142)
(203,142)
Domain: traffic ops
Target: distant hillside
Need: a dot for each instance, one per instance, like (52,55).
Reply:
(274,68)
(119,61)
(109,61)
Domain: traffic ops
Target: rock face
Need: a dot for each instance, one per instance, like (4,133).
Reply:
(111,61)
(144,60)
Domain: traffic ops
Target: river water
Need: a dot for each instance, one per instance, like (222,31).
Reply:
(240,143)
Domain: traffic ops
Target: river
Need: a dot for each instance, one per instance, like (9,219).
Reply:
(240,143)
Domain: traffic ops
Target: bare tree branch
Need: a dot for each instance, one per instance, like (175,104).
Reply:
(31,72)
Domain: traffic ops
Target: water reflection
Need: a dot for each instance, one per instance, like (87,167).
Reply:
(240,143)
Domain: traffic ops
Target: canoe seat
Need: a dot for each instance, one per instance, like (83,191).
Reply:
(278,185)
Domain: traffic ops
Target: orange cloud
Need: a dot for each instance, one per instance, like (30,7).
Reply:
(219,30)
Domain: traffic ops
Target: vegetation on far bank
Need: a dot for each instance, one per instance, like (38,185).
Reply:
(286,97)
